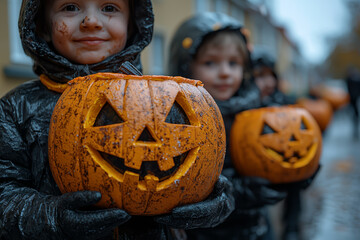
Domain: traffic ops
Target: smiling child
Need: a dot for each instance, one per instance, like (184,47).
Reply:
(67,39)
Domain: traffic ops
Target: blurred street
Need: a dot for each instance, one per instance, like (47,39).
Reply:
(331,205)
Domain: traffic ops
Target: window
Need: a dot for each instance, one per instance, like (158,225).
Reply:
(17,55)
(202,6)
(157,55)
(222,6)
(237,13)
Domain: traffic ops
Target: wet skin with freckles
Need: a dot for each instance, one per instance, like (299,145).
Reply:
(220,68)
(88,31)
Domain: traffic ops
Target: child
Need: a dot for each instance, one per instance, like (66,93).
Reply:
(211,47)
(267,81)
(67,39)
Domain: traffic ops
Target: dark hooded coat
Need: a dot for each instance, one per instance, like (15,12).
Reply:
(248,221)
(26,182)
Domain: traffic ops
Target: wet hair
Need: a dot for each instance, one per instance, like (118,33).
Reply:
(218,39)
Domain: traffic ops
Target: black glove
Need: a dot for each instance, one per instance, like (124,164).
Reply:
(28,214)
(299,185)
(253,192)
(76,224)
(208,213)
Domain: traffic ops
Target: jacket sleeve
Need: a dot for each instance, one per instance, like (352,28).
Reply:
(21,206)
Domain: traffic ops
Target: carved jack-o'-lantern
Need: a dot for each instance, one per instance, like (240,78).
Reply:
(281,144)
(320,109)
(147,143)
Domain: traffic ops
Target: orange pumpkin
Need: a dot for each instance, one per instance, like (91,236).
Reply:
(281,144)
(147,143)
(320,109)
(336,96)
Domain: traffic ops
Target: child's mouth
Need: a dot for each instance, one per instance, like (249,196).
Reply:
(222,87)
(91,41)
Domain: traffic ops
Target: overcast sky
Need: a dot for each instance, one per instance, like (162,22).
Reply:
(311,22)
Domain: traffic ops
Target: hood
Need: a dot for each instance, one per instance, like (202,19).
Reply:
(190,35)
(263,60)
(47,61)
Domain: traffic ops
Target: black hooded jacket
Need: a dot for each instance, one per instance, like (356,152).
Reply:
(26,182)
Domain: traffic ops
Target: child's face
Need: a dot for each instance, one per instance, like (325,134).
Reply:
(266,83)
(88,31)
(220,68)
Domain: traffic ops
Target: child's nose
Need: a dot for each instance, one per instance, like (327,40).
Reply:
(224,69)
(91,22)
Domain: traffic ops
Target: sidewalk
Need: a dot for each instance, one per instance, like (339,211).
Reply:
(331,205)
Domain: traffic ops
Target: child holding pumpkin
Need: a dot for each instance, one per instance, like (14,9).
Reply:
(211,47)
(67,39)
(267,80)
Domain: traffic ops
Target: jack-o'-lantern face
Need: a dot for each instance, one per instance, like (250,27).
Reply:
(146,143)
(281,144)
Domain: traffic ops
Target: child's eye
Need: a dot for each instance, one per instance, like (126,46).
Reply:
(233,63)
(71,8)
(109,8)
(209,63)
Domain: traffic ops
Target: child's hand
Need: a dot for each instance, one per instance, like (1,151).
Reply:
(253,192)
(208,213)
(299,185)
(75,223)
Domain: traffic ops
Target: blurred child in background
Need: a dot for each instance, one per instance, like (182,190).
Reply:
(212,48)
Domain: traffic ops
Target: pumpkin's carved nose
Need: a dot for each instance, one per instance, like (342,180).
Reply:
(292,138)
(146,136)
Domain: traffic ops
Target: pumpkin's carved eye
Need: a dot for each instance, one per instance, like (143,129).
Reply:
(107,116)
(303,125)
(267,130)
(177,115)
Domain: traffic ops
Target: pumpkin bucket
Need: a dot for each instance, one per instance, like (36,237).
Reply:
(147,143)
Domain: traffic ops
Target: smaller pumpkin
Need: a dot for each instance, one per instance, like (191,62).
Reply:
(336,96)
(281,144)
(320,109)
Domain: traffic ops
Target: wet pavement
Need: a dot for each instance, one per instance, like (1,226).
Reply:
(331,205)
